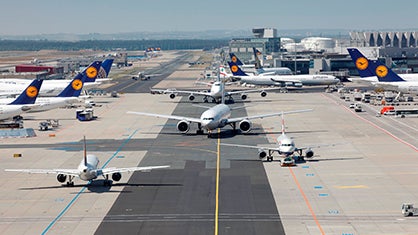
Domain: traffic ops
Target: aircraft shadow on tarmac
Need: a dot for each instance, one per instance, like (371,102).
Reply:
(97,186)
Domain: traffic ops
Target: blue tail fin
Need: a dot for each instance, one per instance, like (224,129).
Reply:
(105,68)
(236,70)
(75,86)
(235,59)
(29,95)
(361,63)
(383,73)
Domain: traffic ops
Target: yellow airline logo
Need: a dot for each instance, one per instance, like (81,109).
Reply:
(91,72)
(234,59)
(77,84)
(381,71)
(362,63)
(31,91)
(234,68)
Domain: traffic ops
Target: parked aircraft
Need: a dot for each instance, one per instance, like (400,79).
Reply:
(385,76)
(285,147)
(215,117)
(87,170)
(67,96)
(23,103)
(13,86)
(257,68)
(283,80)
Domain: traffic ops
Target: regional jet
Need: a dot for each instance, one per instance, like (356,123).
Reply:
(87,170)
(285,148)
(23,103)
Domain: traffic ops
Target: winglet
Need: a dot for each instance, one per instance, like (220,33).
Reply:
(29,95)
(85,151)
(236,70)
(76,85)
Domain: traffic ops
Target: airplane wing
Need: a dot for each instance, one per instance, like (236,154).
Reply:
(112,170)
(252,147)
(72,172)
(318,146)
(182,92)
(180,118)
(238,119)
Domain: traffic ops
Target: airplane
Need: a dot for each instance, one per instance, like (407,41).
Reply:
(283,80)
(87,170)
(13,86)
(67,96)
(385,76)
(286,148)
(257,68)
(215,117)
(361,63)
(23,103)
(215,92)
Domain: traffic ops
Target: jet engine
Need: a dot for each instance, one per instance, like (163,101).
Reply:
(183,126)
(245,126)
(243,96)
(298,84)
(263,94)
(191,97)
(309,153)
(61,178)
(116,176)
(172,96)
(262,154)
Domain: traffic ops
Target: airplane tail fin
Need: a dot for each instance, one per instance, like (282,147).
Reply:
(76,85)
(29,95)
(383,73)
(283,127)
(361,63)
(236,70)
(85,151)
(105,68)
(235,59)
(258,64)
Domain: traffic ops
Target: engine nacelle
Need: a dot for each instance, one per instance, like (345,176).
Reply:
(262,154)
(298,84)
(116,176)
(244,96)
(245,126)
(172,96)
(61,178)
(263,94)
(309,153)
(191,97)
(183,126)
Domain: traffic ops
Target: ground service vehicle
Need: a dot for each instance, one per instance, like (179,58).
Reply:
(408,209)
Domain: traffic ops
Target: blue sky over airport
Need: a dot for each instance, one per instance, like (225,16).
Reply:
(25,17)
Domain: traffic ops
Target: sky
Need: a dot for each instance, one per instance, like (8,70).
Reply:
(28,17)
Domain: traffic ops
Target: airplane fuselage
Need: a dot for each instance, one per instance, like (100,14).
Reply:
(215,117)
(286,145)
(305,80)
(88,171)
(9,111)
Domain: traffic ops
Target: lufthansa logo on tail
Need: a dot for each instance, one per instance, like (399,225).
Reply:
(362,63)
(234,59)
(91,72)
(77,84)
(31,91)
(381,71)
(234,68)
